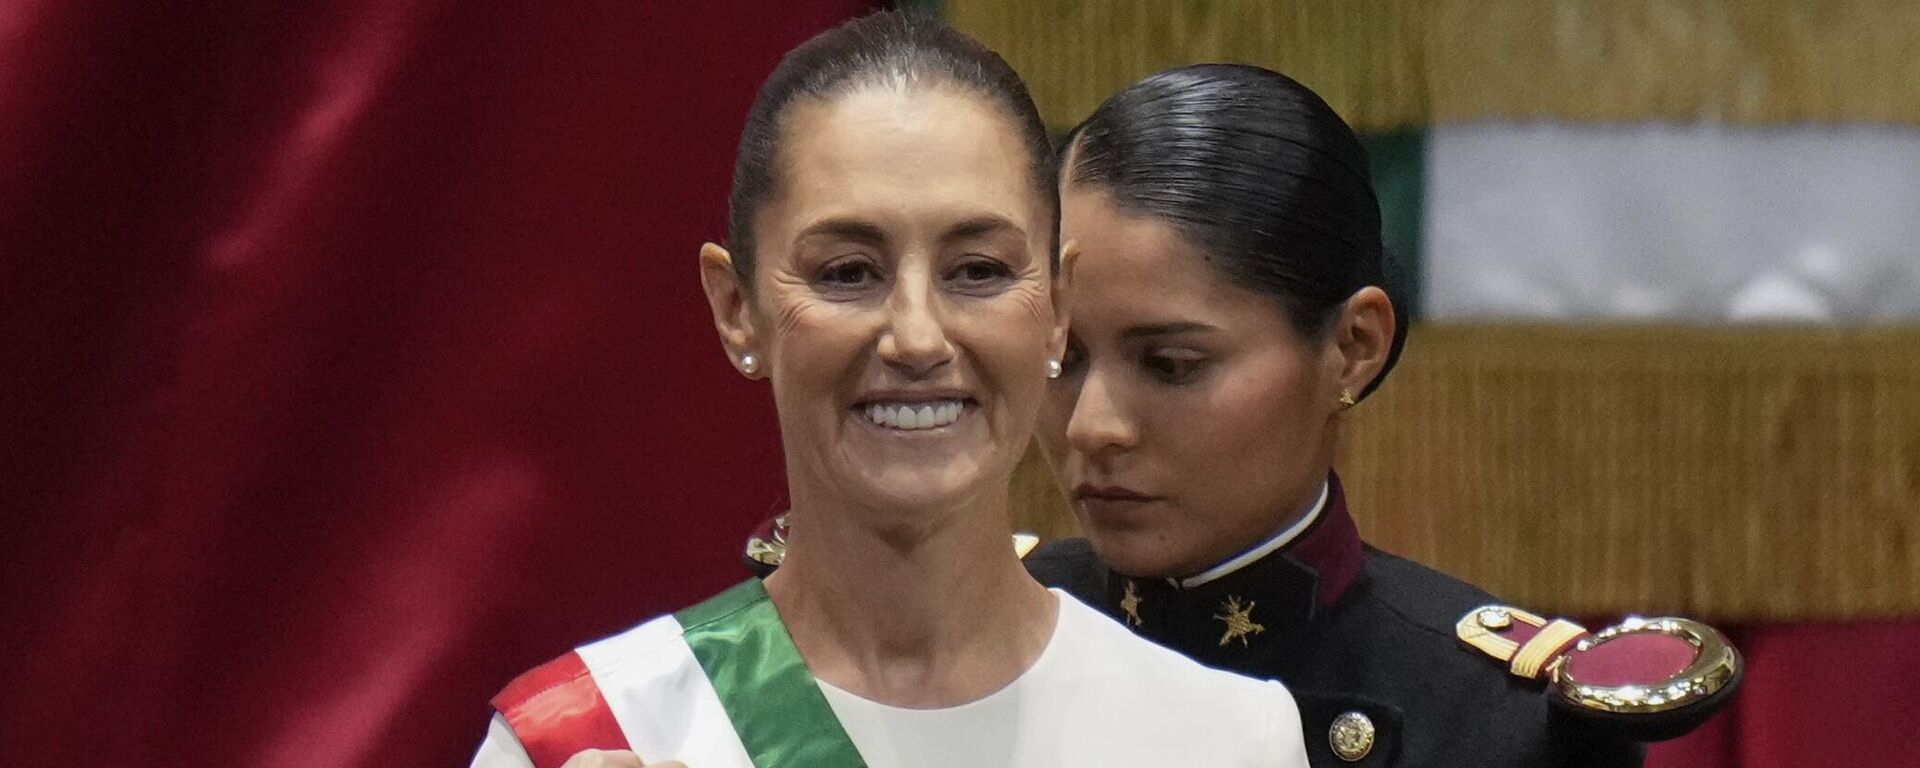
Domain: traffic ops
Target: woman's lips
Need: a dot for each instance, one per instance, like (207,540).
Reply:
(1109,493)
(1114,506)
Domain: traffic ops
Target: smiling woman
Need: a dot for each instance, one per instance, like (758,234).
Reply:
(903,270)
(891,273)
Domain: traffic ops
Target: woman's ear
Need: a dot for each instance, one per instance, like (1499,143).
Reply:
(732,305)
(1364,338)
(1062,295)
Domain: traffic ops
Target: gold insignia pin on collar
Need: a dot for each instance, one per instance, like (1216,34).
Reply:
(1130,603)
(1239,621)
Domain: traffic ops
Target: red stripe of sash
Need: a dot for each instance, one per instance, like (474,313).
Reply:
(556,710)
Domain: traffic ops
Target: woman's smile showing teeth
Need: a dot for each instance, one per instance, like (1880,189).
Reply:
(915,416)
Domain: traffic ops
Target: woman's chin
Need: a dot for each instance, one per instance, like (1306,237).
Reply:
(917,488)
(1135,552)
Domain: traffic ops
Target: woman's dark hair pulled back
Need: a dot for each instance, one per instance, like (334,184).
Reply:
(1257,171)
(888,49)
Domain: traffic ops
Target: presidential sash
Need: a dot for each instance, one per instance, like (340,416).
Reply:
(718,685)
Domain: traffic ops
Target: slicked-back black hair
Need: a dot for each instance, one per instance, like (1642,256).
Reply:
(887,49)
(1255,169)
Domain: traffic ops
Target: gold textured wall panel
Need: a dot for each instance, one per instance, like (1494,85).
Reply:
(1391,63)
(1746,473)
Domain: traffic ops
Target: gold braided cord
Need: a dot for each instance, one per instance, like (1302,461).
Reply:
(1728,474)
(1538,650)
(1392,63)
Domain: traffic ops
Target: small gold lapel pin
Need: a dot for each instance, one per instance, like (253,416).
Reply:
(1239,621)
(1131,604)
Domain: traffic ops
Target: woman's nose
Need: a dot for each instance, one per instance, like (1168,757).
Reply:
(915,340)
(1100,421)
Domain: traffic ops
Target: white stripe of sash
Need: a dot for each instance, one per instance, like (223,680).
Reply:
(662,699)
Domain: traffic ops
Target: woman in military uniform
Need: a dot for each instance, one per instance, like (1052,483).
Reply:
(1227,310)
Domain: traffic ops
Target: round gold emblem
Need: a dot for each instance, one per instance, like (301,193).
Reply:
(1351,736)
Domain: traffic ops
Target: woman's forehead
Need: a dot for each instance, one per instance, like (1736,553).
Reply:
(887,153)
(1136,269)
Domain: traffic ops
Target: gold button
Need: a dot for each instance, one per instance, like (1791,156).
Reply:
(1351,736)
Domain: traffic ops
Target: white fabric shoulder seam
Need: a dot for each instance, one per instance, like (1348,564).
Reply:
(662,634)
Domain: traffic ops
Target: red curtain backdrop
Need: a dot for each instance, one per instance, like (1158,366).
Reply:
(354,360)
(1815,695)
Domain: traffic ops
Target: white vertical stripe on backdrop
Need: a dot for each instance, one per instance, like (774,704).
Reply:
(1663,222)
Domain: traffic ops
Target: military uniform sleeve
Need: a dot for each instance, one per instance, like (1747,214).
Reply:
(1616,753)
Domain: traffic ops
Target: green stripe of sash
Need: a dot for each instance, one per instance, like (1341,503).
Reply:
(776,706)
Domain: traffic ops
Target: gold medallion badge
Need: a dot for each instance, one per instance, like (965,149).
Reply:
(1239,621)
(1351,736)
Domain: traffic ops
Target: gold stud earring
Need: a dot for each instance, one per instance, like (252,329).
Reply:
(1346,399)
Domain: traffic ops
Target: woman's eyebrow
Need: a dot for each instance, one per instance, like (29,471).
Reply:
(1164,329)
(857,230)
(982,226)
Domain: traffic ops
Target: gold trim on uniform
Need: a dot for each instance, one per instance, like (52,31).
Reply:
(1545,656)
(1715,663)
(1544,648)
(1481,626)
(1239,620)
(1130,603)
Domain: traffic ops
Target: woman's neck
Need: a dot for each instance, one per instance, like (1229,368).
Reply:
(1291,526)
(930,612)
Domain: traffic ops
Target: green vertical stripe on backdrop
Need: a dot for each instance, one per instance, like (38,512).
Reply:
(1399,164)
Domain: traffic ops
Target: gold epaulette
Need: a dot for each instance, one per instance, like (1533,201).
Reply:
(1668,674)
